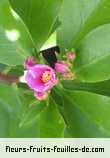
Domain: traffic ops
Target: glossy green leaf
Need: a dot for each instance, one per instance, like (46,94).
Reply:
(102,88)
(11,111)
(15,41)
(12,108)
(29,126)
(4,122)
(39,16)
(93,59)
(9,108)
(30,112)
(79,17)
(85,114)
(46,119)
(22,115)
(3,67)
(50,122)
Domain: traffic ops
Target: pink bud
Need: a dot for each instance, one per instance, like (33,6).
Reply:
(29,62)
(70,56)
(61,67)
(40,95)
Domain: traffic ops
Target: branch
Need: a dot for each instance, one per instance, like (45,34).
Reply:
(8,78)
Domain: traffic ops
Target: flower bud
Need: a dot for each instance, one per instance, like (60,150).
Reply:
(69,76)
(70,56)
(61,67)
(29,62)
(40,95)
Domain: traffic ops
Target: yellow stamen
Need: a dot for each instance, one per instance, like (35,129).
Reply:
(46,76)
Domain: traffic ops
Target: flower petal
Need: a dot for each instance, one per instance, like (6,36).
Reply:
(22,79)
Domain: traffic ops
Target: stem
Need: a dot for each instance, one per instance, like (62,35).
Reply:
(8,78)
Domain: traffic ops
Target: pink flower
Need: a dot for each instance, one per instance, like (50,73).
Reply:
(29,62)
(61,67)
(40,78)
(70,56)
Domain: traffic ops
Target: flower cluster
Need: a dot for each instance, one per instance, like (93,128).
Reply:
(42,78)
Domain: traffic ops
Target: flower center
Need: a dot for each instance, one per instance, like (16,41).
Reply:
(46,76)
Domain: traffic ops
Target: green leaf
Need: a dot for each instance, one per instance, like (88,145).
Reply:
(9,109)
(29,125)
(39,16)
(3,67)
(11,113)
(15,41)
(79,17)
(4,122)
(44,115)
(23,116)
(51,123)
(85,114)
(102,88)
(92,62)
(31,112)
